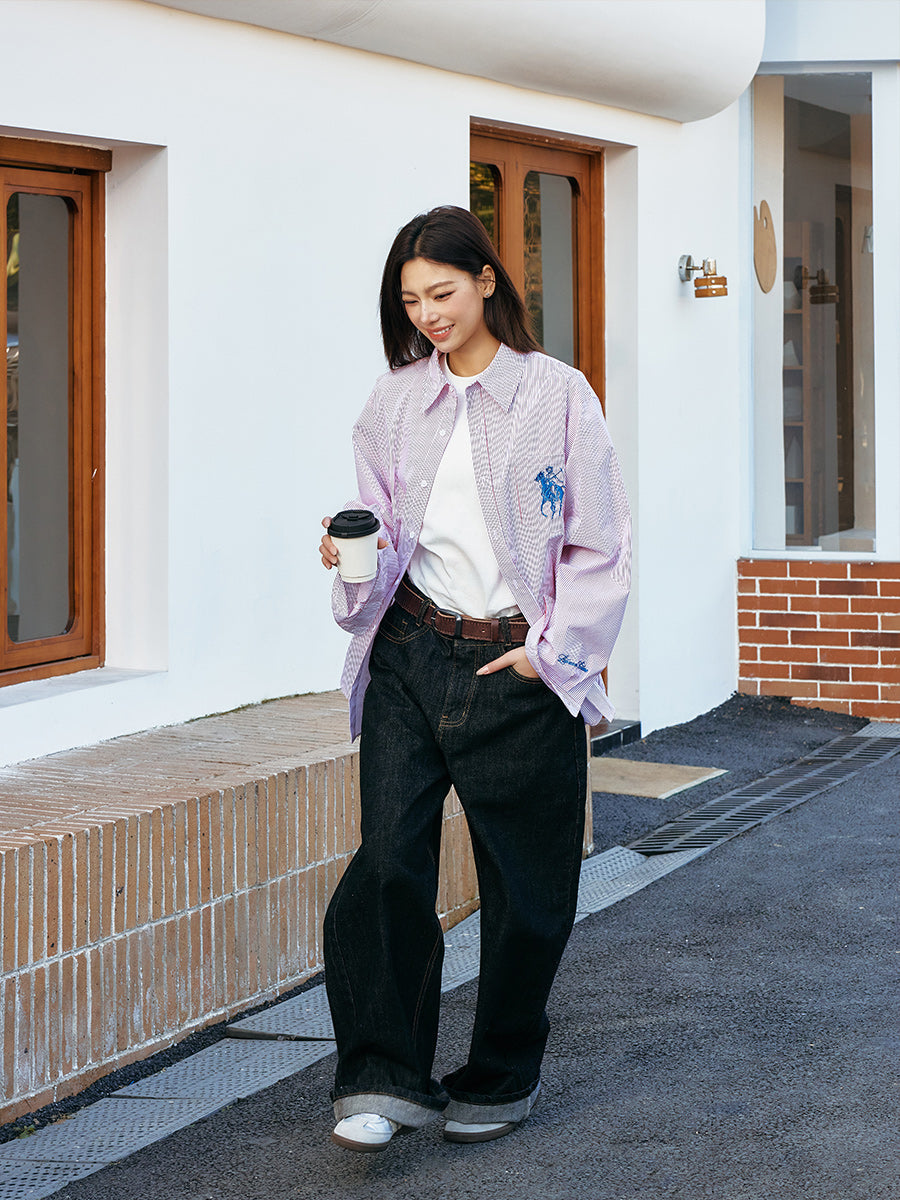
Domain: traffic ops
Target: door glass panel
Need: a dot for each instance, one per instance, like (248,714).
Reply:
(37,422)
(549,278)
(828,329)
(484,196)
(814,359)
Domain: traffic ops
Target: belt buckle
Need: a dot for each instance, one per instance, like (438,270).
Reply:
(456,617)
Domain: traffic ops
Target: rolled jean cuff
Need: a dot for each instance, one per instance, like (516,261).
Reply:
(477,1114)
(407,1112)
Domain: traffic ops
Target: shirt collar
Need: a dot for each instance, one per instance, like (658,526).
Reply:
(500,380)
(435,381)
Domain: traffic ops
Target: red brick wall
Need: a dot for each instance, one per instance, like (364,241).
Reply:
(826,634)
(122,931)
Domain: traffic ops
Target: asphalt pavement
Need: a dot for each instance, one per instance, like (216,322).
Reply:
(730,1031)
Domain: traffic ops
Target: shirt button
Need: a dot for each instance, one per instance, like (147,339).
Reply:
(423,483)
(443,432)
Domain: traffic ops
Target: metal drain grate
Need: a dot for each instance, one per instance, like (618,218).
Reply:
(105,1132)
(462,953)
(880,729)
(30,1181)
(618,873)
(228,1070)
(305,1017)
(775,793)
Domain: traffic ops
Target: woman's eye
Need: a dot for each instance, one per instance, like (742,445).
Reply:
(444,296)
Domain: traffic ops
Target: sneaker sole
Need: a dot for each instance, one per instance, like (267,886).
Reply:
(360,1147)
(487,1135)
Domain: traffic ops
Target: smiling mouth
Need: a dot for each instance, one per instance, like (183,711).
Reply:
(438,333)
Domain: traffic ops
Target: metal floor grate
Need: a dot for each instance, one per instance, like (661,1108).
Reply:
(229,1070)
(305,1017)
(880,729)
(104,1132)
(27,1181)
(618,873)
(462,953)
(744,807)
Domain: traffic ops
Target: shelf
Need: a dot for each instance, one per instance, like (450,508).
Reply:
(796,394)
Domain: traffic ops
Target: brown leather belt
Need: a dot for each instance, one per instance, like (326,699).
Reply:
(491,629)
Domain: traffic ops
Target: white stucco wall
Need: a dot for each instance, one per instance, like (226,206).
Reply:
(258,181)
(831,31)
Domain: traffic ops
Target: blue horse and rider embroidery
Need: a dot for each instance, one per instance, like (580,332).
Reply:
(553,489)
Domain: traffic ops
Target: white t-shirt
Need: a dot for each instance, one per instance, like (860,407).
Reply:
(454,562)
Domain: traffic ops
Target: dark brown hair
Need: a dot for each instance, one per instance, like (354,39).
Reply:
(453,236)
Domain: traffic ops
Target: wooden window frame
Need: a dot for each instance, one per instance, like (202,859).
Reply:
(76,173)
(515,151)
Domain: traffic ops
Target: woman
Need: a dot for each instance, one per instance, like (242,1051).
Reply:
(502,579)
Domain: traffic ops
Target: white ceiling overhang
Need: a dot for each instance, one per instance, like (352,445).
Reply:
(681,59)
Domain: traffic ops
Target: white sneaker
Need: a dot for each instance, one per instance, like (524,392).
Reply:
(460,1131)
(365,1131)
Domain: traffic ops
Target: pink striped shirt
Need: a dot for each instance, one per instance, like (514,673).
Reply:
(553,501)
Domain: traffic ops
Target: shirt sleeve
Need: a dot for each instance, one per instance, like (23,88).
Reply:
(583,610)
(356,606)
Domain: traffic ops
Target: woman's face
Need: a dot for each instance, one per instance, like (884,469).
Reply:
(447,305)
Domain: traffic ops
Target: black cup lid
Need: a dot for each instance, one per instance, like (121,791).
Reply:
(353,523)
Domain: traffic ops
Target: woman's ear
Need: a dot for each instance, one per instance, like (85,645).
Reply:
(487,280)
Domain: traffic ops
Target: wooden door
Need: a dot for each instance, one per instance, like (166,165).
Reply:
(541,201)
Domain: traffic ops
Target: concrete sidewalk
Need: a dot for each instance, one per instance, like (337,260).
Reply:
(729,1031)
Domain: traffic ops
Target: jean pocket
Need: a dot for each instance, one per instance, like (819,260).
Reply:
(524,678)
(399,626)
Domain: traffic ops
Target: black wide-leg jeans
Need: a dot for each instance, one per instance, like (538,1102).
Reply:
(518,761)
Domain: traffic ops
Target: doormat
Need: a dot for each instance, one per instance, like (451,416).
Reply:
(659,780)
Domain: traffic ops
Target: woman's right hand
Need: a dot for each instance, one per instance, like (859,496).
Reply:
(328,550)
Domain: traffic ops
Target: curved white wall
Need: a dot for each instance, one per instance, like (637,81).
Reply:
(684,60)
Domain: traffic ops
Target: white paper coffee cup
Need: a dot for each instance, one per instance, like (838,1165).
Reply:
(355,534)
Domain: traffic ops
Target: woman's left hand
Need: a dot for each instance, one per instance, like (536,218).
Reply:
(517,659)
